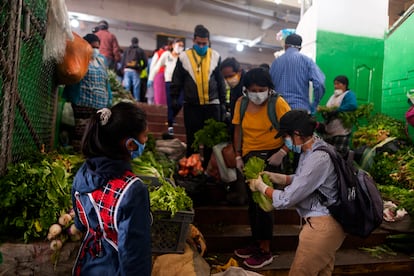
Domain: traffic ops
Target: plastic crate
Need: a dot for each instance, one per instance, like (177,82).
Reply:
(168,235)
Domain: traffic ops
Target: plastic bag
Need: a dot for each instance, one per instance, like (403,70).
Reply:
(74,65)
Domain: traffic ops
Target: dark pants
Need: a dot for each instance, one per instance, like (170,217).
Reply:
(194,120)
(171,111)
(261,222)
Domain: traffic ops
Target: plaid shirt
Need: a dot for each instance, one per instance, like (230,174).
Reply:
(94,87)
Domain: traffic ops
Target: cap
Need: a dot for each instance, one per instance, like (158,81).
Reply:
(294,40)
(296,120)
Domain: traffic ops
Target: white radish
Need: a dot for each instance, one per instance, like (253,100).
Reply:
(65,219)
(54,230)
(56,245)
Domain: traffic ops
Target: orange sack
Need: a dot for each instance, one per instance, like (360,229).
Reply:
(75,63)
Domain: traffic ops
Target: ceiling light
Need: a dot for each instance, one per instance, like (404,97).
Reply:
(74,23)
(278,2)
(239,47)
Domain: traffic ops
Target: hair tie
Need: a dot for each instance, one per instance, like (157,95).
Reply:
(105,115)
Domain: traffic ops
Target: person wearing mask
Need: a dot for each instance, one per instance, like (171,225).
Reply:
(254,136)
(93,92)
(322,235)
(168,59)
(291,74)
(197,75)
(332,130)
(111,203)
(233,75)
(133,62)
(109,46)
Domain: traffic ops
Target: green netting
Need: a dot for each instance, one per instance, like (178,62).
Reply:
(27,88)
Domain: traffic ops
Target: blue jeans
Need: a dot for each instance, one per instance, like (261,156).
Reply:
(131,77)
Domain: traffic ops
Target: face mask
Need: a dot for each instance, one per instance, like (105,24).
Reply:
(289,144)
(258,97)
(202,51)
(95,52)
(233,81)
(178,49)
(140,148)
(338,92)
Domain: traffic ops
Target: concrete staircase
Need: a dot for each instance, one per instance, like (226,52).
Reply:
(157,121)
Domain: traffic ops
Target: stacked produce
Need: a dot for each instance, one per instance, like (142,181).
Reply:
(190,166)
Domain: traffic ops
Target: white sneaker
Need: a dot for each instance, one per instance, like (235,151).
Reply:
(170,130)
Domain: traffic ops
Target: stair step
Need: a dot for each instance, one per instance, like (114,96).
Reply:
(226,238)
(238,215)
(347,262)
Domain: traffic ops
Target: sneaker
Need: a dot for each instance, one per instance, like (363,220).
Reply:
(247,251)
(259,260)
(171,131)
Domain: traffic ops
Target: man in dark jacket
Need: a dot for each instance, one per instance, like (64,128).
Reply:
(198,75)
(133,62)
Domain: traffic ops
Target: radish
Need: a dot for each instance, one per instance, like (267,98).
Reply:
(65,219)
(55,230)
(56,245)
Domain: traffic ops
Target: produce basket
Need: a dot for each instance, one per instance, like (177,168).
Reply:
(168,235)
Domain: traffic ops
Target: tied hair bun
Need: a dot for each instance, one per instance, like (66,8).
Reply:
(105,114)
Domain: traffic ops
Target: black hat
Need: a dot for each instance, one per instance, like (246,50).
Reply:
(296,120)
(294,40)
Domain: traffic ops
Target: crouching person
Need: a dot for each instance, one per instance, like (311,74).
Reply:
(322,235)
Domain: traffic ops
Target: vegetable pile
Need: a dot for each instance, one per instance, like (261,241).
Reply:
(211,134)
(34,193)
(191,165)
(349,118)
(252,170)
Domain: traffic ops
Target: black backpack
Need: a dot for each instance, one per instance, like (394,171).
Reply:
(359,208)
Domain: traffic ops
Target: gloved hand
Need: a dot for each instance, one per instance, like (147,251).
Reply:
(276,177)
(239,164)
(149,83)
(277,157)
(257,185)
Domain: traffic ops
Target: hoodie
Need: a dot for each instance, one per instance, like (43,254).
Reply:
(108,187)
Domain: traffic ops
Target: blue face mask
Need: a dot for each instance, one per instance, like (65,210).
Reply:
(289,144)
(140,148)
(202,51)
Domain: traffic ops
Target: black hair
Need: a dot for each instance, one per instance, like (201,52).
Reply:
(135,40)
(265,66)
(201,31)
(342,79)
(126,120)
(103,25)
(91,38)
(258,76)
(230,62)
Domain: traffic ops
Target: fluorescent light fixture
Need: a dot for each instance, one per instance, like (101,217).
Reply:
(74,23)
(239,47)
(278,2)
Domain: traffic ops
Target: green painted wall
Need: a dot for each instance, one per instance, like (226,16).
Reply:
(359,58)
(398,69)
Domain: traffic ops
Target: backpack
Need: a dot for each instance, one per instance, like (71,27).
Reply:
(359,208)
(271,112)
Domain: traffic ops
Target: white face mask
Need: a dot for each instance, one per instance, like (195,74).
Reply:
(258,97)
(338,92)
(95,52)
(178,49)
(233,81)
